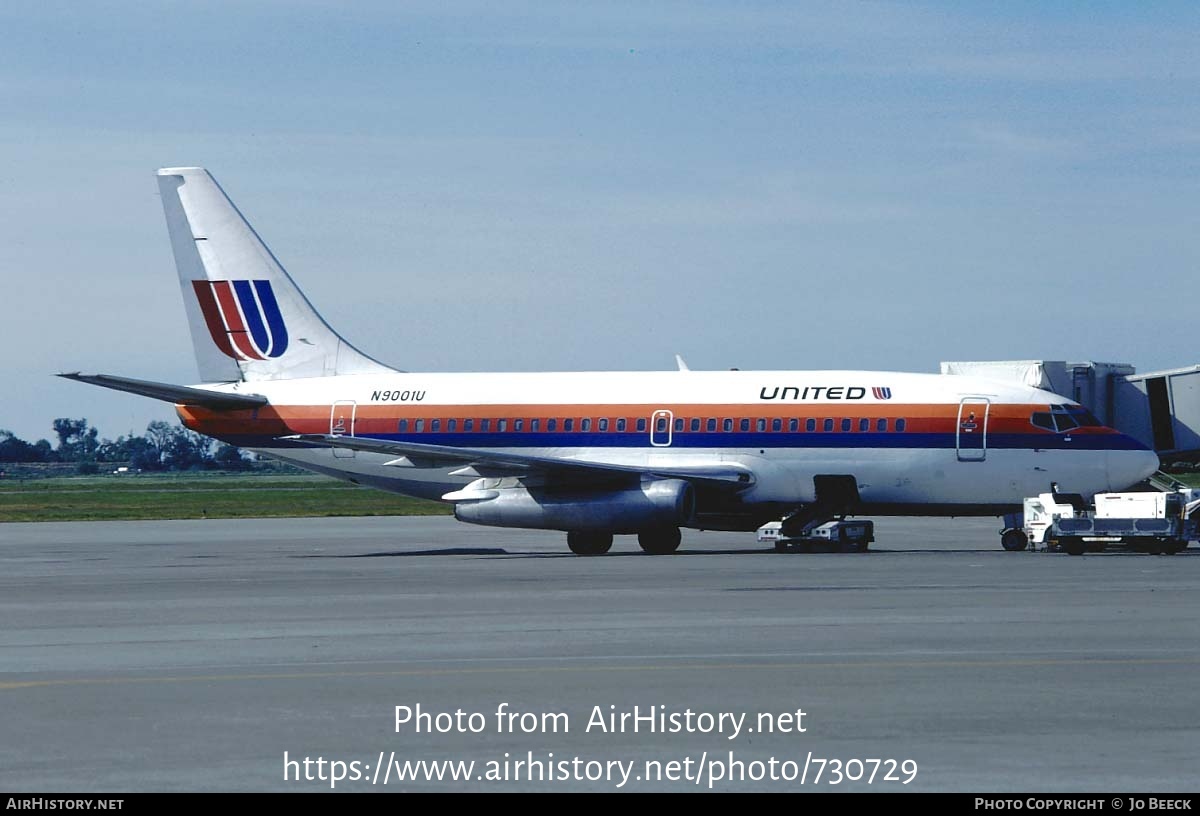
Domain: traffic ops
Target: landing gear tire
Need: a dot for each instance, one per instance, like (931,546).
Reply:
(1074,546)
(660,542)
(588,543)
(1014,540)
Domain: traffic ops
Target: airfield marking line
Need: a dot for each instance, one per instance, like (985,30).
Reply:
(876,664)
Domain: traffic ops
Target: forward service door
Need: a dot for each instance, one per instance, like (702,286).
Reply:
(970,431)
(341,423)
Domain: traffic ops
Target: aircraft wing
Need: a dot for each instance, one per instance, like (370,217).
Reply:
(496,464)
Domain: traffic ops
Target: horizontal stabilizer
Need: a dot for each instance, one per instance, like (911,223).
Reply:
(179,394)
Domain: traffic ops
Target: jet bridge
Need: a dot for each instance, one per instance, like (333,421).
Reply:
(1162,409)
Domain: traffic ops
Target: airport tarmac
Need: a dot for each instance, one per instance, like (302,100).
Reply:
(191,655)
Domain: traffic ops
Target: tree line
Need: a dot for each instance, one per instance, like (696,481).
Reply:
(164,447)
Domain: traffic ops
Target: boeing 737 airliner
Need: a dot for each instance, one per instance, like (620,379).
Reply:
(596,454)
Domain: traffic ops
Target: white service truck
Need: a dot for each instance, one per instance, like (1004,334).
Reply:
(1160,523)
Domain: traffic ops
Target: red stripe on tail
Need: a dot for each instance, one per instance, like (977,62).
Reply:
(212,317)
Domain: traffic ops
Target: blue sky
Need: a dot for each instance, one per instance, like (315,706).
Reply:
(546,186)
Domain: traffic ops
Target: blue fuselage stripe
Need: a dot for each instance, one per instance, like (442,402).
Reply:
(742,441)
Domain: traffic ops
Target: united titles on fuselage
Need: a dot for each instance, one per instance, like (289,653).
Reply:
(812,392)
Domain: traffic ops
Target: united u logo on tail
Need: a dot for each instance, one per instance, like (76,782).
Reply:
(243,318)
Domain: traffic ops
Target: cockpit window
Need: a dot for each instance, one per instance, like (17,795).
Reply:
(1063,418)
(1065,422)
(1043,420)
(1084,417)
(1073,416)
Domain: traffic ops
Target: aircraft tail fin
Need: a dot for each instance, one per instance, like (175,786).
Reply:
(249,320)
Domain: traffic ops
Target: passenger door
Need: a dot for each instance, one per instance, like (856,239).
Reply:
(970,431)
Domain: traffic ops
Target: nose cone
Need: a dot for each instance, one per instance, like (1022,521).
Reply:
(1128,467)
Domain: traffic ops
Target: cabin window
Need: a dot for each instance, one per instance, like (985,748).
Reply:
(810,425)
(451,424)
(403,427)
(660,425)
(881,425)
(501,425)
(435,425)
(602,424)
(776,424)
(568,424)
(534,425)
(678,424)
(641,426)
(793,424)
(712,425)
(485,424)
(695,424)
(745,425)
(551,424)
(585,424)
(727,425)
(845,425)
(420,426)
(900,423)
(518,424)
(621,424)
(864,424)
(760,425)
(468,424)
(828,425)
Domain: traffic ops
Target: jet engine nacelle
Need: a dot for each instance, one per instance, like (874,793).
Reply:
(663,503)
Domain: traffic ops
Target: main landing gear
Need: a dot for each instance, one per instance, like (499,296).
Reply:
(663,541)
(659,541)
(588,543)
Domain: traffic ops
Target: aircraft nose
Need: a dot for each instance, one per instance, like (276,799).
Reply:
(1128,467)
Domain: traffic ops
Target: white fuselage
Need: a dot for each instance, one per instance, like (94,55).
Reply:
(914,443)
